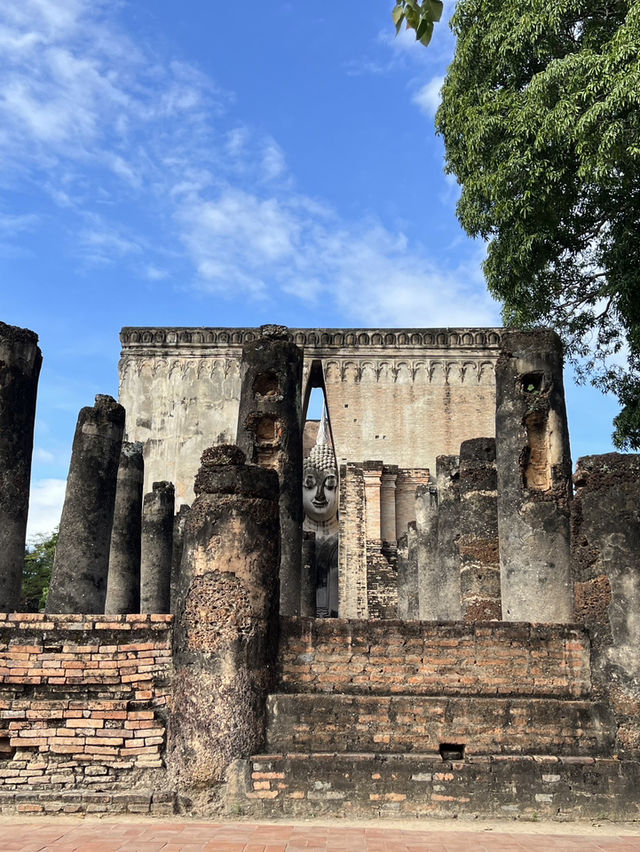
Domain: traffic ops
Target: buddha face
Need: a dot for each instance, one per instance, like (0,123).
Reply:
(320,484)
(320,494)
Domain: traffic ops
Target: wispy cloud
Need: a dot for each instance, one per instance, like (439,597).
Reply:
(45,506)
(428,96)
(143,152)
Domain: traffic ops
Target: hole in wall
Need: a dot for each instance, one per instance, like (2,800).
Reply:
(6,751)
(266,386)
(537,469)
(451,751)
(531,382)
(267,429)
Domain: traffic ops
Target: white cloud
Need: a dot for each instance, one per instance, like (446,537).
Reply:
(135,147)
(45,506)
(153,273)
(273,162)
(12,224)
(428,97)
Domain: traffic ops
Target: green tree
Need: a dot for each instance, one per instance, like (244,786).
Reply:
(540,116)
(38,564)
(418,15)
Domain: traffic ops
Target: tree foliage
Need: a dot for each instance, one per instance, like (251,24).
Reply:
(38,564)
(540,116)
(418,15)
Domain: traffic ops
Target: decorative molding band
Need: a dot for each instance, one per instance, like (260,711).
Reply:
(313,339)
(454,367)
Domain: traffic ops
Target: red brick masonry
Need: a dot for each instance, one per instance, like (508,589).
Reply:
(423,658)
(81,701)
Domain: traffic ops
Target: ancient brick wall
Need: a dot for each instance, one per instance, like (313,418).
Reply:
(385,658)
(409,724)
(82,711)
(401,786)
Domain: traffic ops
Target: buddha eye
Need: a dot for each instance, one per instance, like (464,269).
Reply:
(330,483)
(309,481)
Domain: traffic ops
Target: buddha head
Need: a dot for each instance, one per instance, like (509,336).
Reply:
(320,484)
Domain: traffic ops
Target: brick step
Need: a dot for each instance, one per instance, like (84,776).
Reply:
(332,655)
(407,723)
(375,785)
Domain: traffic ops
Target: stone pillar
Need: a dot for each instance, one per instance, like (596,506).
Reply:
(407,567)
(308,582)
(270,433)
(372,471)
(605,543)
(388,504)
(408,480)
(478,542)
(123,585)
(226,628)
(352,566)
(20,362)
(413,599)
(446,582)
(382,580)
(534,478)
(81,564)
(179,521)
(427,551)
(157,548)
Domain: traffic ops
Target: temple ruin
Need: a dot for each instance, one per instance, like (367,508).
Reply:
(405,606)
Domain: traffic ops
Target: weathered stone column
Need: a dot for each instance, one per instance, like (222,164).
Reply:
(81,564)
(605,544)
(270,434)
(446,581)
(534,478)
(388,504)
(352,568)
(20,362)
(408,480)
(478,542)
(372,472)
(427,551)
(157,548)
(407,566)
(308,582)
(123,584)
(226,628)
(179,521)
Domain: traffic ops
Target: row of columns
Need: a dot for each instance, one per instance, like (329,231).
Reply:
(115,547)
(104,486)
(492,536)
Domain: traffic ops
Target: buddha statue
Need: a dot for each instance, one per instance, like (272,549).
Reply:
(320,503)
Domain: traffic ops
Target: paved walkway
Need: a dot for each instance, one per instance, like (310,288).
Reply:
(90,835)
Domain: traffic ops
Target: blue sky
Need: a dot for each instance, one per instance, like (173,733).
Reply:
(222,164)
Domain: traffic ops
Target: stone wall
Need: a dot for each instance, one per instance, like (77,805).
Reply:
(82,712)
(401,785)
(384,387)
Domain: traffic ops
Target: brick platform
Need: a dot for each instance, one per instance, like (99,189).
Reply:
(368,785)
(417,723)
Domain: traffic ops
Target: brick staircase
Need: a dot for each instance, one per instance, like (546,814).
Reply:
(390,717)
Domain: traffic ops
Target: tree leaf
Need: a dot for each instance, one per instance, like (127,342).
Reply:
(435,8)
(398,15)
